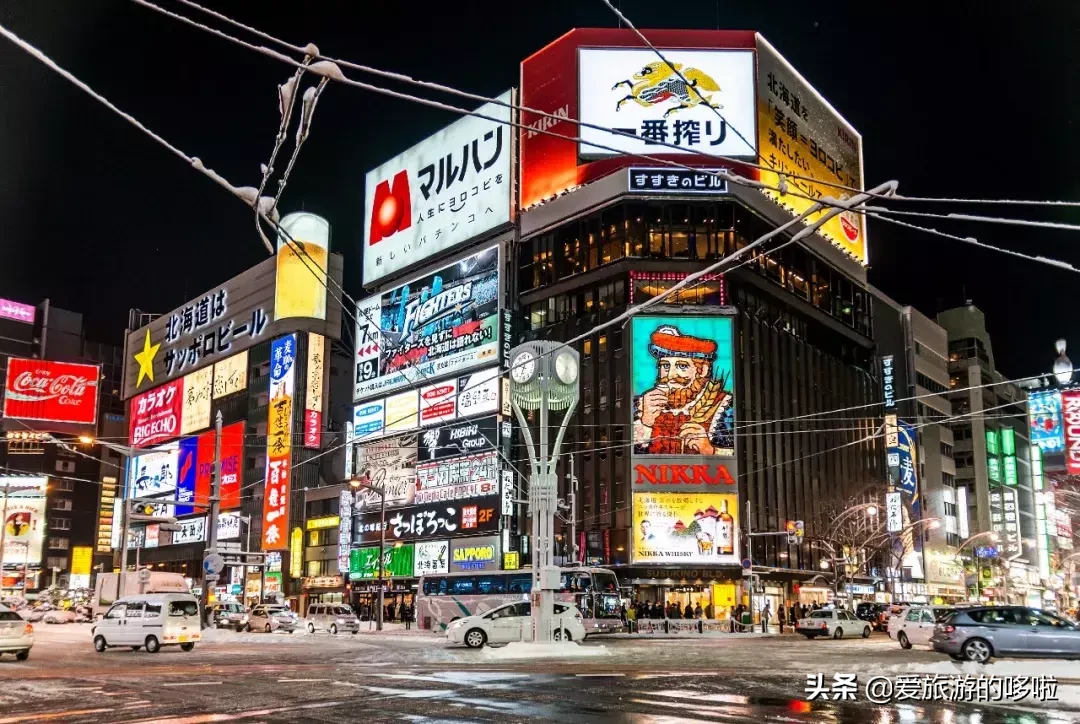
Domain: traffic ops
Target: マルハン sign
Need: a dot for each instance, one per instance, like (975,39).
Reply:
(230,318)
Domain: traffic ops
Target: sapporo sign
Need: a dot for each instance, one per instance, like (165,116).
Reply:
(216,325)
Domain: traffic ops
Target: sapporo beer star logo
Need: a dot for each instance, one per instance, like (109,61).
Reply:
(146,359)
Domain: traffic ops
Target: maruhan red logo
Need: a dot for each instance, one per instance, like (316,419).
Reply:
(391,209)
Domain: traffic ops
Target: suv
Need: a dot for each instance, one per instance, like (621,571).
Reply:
(981,632)
(227,615)
(332,617)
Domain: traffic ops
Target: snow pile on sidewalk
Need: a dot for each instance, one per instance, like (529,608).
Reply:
(527,650)
(228,636)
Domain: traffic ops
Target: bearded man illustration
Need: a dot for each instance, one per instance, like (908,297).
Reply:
(686,412)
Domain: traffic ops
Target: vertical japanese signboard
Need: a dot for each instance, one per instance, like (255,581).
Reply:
(279,443)
(198,388)
(313,400)
(800,134)
(232,459)
(230,375)
(1044,414)
(1070,408)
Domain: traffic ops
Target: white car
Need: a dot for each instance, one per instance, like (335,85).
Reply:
(16,635)
(915,625)
(832,623)
(271,617)
(513,622)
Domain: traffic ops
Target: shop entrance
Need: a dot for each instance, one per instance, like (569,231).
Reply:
(716,599)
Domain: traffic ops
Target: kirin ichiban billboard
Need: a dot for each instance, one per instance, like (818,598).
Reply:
(48,391)
(277,296)
(450,188)
(684,493)
(436,325)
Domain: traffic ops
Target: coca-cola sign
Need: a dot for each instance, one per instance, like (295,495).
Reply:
(1070,408)
(51,391)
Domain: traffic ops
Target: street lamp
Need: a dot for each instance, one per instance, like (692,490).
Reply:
(356,484)
(1063,366)
(544,376)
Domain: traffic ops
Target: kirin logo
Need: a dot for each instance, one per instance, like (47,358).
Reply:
(391,209)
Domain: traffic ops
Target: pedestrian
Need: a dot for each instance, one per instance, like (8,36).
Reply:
(793,614)
(657,611)
(736,617)
(390,611)
(406,615)
(673,610)
(689,612)
(631,618)
(765,612)
(709,611)
(697,610)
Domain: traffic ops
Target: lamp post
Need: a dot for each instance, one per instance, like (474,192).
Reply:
(544,376)
(1063,366)
(357,484)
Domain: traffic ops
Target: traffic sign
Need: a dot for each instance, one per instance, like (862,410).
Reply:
(144,575)
(213,564)
(746,564)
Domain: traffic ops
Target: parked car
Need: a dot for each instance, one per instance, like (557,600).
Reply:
(271,617)
(332,617)
(836,623)
(876,614)
(513,622)
(227,615)
(59,615)
(152,620)
(915,624)
(980,633)
(16,635)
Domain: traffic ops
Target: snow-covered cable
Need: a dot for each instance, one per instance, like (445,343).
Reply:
(981,219)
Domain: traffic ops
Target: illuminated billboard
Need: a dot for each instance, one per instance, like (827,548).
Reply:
(23,501)
(51,391)
(1044,414)
(1070,412)
(301,285)
(154,473)
(17,311)
(278,476)
(633,90)
(452,187)
(154,416)
(437,325)
(693,528)
(683,385)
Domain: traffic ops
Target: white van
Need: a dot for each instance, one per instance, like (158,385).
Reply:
(152,620)
(332,617)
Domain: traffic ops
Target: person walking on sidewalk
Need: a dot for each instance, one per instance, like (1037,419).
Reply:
(765,612)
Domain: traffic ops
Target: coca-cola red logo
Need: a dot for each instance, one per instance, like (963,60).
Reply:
(51,391)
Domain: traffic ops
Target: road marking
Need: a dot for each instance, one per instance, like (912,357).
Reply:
(296,681)
(52,715)
(207,718)
(192,683)
(597,676)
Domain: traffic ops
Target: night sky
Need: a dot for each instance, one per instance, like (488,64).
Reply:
(953,99)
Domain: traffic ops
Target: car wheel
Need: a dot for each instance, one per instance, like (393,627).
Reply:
(311,628)
(188,646)
(152,645)
(903,639)
(866,632)
(22,655)
(99,644)
(267,629)
(838,633)
(246,628)
(475,638)
(977,650)
(333,629)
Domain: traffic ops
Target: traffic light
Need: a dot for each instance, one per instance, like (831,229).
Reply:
(800,531)
(792,536)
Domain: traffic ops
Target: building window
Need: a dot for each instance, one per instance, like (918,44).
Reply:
(948,479)
(586,348)
(586,399)
(56,562)
(602,402)
(952,540)
(929,384)
(61,504)
(946,449)
(59,523)
(950,509)
(618,391)
(62,485)
(59,543)
(602,347)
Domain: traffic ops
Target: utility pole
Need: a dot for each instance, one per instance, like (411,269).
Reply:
(573,512)
(750,555)
(212,519)
(3,535)
(121,579)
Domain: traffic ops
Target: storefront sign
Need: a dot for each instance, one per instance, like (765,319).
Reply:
(431,557)
(313,400)
(888,382)
(345,503)
(228,526)
(296,553)
(455,439)
(675,181)
(438,402)
(192,530)
(467,477)
(279,443)
(511,561)
(369,419)
(479,392)
(51,391)
(683,383)
(105,515)
(397,562)
(894,513)
(685,528)
(683,474)
(434,520)
(402,411)
(273,583)
(452,187)
(152,536)
(153,473)
(1070,401)
(433,327)
(195,412)
(24,521)
(230,375)
(507,492)
(323,582)
(17,311)
(475,554)
(187,469)
(326,521)
(156,414)
(799,136)
(388,465)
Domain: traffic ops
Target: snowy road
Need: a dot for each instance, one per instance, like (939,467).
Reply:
(395,677)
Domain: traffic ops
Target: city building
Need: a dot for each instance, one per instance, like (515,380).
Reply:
(714,414)
(994,466)
(258,351)
(58,386)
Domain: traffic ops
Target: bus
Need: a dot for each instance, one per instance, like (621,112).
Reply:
(446,597)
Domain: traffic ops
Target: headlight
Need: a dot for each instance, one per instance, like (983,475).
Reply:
(243,619)
(458,624)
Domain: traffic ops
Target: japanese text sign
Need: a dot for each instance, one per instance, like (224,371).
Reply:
(51,391)
(17,311)
(1070,408)
(888,382)
(435,520)
(448,189)
(675,181)
(685,528)
(198,387)
(230,375)
(313,400)
(279,443)
(155,415)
